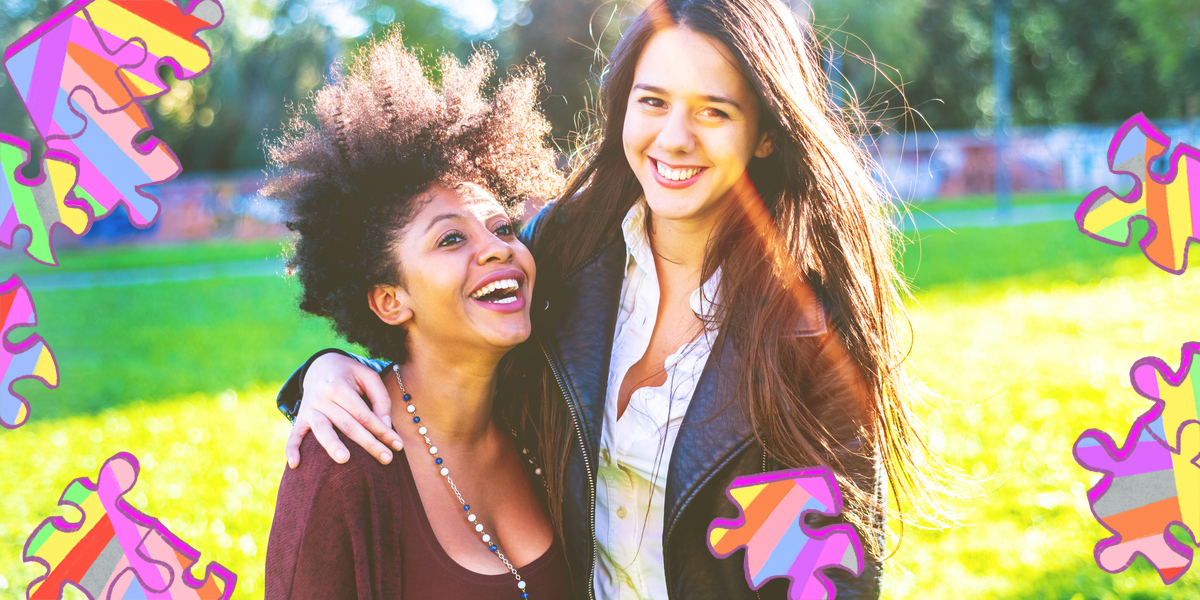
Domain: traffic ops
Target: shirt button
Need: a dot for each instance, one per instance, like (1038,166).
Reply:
(621,512)
(604,455)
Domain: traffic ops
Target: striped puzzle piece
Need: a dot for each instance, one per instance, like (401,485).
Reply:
(771,528)
(1170,202)
(29,359)
(1145,490)
(1176,394)
(38,206)
(115,551)
(81,74)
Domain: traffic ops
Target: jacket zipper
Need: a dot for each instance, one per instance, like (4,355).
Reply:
(587,464)
(758,593)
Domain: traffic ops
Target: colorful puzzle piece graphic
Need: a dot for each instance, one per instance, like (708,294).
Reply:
(80,75)
(168,34)
(29,359)
(38,205)
(1170,202)
(1176,394)
(1145,490)
(771,527)
(115,551)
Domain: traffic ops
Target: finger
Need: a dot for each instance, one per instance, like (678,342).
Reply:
(381,406)
(322,428)
(352,426)
(295,436)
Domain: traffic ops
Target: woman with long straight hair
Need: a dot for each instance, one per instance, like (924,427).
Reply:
(718,298)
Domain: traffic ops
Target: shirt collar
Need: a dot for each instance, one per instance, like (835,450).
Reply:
(703,300)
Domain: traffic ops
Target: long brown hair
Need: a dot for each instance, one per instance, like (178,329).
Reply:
(808,223)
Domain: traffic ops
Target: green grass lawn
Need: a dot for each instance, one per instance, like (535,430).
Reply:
(1027,332)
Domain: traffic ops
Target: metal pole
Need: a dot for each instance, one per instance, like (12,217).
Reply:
(1002,84)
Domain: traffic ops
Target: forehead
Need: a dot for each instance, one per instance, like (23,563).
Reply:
(466,198)
(685,62)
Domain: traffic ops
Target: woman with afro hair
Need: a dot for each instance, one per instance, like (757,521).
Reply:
(404,196)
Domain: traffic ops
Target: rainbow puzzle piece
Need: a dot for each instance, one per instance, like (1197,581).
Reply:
(38,205)
(771,527)
(80,75)
(1171,202)
(116,551)
(1176,394)
(29,359)
(1145,490)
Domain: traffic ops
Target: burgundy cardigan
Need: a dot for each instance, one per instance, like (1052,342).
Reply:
(358,531)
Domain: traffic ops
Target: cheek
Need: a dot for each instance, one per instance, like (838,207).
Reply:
(635,135)
(434,288)
(736,148)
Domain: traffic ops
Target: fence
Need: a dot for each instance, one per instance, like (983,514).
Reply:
(1069,158)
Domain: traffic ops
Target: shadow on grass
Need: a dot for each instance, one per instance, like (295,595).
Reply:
(118,345)
(1038,255)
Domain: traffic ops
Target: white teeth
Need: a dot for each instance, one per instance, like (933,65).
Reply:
(503,284)
(675,174)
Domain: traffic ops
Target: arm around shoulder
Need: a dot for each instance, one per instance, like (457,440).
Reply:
(292,392)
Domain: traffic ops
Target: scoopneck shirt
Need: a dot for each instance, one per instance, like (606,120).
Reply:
(635,449)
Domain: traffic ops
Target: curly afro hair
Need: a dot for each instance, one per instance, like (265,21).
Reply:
(352,176)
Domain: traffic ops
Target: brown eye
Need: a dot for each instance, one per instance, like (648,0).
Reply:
(653,102)
(451,238)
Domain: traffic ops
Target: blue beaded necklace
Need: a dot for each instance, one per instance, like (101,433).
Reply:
(493,545)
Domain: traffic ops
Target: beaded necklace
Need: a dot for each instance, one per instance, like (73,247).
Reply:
(445,472)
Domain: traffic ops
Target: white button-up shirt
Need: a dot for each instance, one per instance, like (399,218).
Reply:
(635,449)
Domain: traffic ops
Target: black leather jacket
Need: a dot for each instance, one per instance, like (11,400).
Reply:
(715,444)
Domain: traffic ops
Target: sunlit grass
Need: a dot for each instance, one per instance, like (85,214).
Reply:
(1024,370)
(210,468)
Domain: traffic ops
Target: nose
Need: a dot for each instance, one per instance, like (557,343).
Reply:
(496,250)
(676,135)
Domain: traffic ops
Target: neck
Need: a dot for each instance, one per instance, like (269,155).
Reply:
(679,248)
(452,391)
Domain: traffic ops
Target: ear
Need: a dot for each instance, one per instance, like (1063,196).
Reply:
(766,144)
(390,303)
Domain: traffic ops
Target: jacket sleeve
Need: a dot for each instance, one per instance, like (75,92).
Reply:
(292,392)
(530,231)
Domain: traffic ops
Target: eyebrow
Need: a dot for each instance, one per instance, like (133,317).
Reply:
(450,216)
(662,92)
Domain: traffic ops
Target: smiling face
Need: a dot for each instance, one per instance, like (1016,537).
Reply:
(468,280)
(691,126)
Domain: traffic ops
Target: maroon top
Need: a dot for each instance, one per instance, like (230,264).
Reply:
(359,531)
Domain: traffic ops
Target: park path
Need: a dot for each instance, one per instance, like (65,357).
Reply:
(274,267)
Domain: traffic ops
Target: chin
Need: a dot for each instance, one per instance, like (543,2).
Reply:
(674,207)
(508,332)
(508,340)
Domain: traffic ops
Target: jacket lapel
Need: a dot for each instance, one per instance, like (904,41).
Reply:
(714,429)
(582,334)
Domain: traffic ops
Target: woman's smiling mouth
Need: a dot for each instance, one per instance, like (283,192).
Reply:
(498,292)
(501,292)
(675,177)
